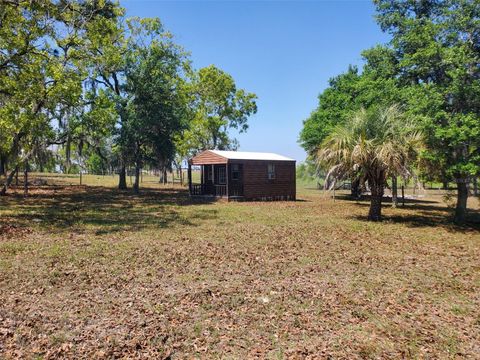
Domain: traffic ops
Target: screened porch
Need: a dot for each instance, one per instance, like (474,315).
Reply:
(218,180)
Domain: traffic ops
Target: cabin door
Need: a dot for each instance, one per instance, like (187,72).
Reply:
(235,180)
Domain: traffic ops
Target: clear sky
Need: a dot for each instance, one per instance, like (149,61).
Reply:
(285,52)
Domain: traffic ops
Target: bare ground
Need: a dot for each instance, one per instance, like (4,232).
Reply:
(98,273)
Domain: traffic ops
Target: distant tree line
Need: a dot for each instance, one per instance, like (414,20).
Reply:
(430,71)
(82,86)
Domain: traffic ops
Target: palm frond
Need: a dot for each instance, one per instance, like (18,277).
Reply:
(380,142)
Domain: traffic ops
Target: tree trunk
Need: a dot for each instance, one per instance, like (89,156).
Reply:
(394,192)
(3,165)
(136,184)
(68,155)
(8,181)
(444,180)
(445,185)
(462,196)
(375,213)
(16,175)
(475,186)
(122,176)
(355,188)
(25,180)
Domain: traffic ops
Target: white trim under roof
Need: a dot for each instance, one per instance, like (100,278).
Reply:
(246,155)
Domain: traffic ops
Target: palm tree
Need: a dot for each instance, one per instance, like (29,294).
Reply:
(372,145)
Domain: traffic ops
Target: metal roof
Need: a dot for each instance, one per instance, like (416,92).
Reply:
(246,155)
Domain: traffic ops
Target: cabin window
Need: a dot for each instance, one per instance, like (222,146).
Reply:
(222,176)
(210,172)
(271,171)
(235,172)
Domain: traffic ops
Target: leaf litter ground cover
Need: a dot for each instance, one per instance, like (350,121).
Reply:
(91,272)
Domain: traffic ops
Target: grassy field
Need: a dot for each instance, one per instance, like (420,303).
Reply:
(92,272)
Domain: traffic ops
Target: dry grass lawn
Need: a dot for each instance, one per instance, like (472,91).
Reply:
(91,272)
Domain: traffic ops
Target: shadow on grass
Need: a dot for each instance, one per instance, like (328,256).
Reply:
(104,210)
(428,220)
(366,198)
(421,213)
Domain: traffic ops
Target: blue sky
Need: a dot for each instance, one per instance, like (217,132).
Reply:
(285,52)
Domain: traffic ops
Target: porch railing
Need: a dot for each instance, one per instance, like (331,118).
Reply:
(220,190)
(198,189)
(212,190)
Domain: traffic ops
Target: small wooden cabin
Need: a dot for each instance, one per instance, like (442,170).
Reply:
(238,175)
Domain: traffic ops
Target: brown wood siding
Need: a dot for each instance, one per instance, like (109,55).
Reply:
(253,183)
(258,186)
(208,157)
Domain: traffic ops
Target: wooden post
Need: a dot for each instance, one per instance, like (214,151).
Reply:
(190,178)
(226,179)
(403,195)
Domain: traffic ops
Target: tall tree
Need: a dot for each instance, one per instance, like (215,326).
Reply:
(437,44)
(23,83)
(118,46)
(156,112)
(41,70)
(217,107)
(107,49)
